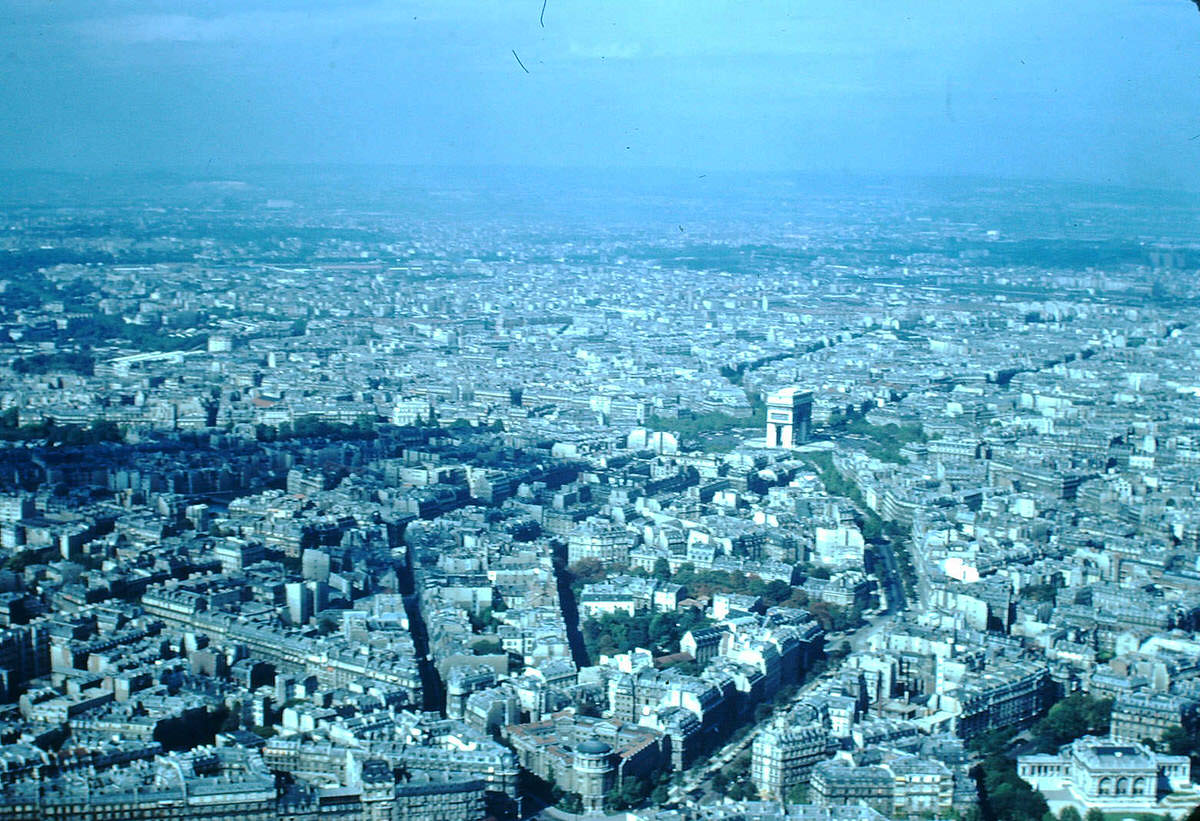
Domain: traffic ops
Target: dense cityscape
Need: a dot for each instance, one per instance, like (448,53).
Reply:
(830,499)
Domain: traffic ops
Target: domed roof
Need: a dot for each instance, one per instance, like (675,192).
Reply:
(594,747)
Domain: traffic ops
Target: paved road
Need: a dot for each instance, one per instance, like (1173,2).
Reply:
(918,562)
(861,637)
(889,576)
(858,639)
(700,777)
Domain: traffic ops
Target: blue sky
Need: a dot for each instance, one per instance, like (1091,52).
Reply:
(1106,91)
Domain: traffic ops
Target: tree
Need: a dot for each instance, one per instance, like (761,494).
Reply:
(871,529)
(620,632)
(719,781)
(662,569)
(659,630)
(632,792)
(46,363)
(1094,814)
(1075,716)
(738,791)
(487,647)
(777,592)
(1039,592)
(1182,741)
(587,571)
(695,424)
(661,795)
(1004,794)
(481,620)
(232,719)
(19,561)
(1069,813)
(840,652)
(797,794)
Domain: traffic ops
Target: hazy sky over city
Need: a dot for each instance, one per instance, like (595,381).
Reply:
(1107,90)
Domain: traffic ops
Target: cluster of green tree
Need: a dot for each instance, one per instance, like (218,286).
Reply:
(1003,794)
(734,373)
(483,619)
(1095,814)
(23,266)
(750,258)
(465,425)
(1182,741)
(834,618)
(548,793)
(568,801)
(585,571)
(836,655)
(720,442)
(26,288)
(890,433)
(758,407)
(1039,592)
(634,791)
(487,647)
(19,561)
(885,441)
(699,423)
(1073,717)
(838,485)
(54,434)
(274,236)
(873,528)
(733,780)
(690,667)
(899,538)
(703,583)
(707,582)
(100,329)
(305,427)
(661,571)
(658,632)
(78,294)
(737,373)
(797,794)
(816,571)
(41,363)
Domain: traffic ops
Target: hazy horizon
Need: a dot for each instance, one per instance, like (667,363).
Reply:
(1105,93)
